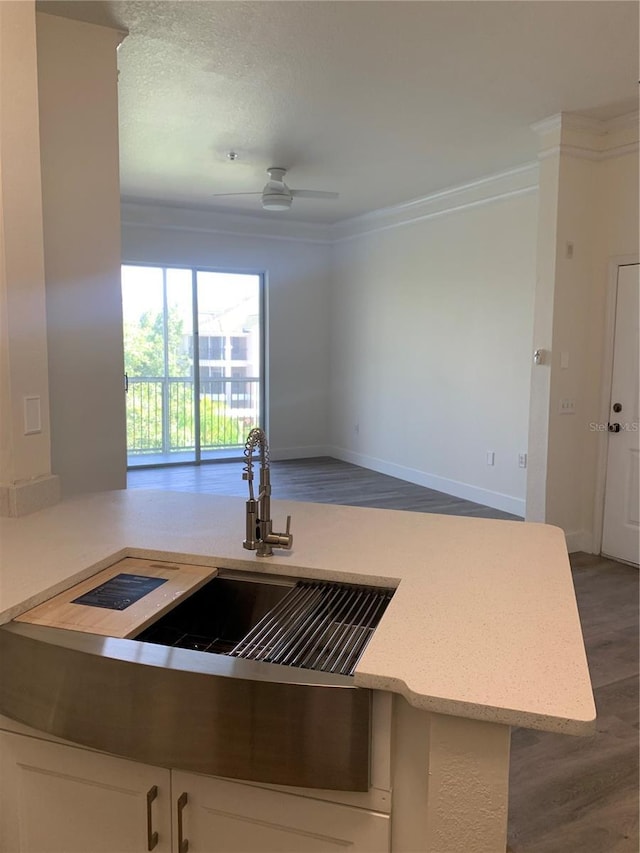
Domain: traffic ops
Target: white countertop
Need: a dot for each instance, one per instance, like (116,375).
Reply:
(483,624)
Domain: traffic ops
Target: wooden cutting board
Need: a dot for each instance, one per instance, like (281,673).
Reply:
(122,600)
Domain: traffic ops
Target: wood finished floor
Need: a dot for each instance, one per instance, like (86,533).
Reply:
(580,795)
(567,794)
(320,480)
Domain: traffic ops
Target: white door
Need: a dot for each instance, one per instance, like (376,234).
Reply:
(621,530)
(59,799)
(216,816)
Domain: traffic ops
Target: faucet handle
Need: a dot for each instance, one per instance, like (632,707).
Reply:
(281,540)
(287,537)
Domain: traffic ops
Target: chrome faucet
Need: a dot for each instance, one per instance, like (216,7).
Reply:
(260,537)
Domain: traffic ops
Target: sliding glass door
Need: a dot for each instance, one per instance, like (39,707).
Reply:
(229,355)
(193,359)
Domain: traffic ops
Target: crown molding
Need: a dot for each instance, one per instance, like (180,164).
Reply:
(485,190)
(587,138)
(590,153)
(138,213)
(580,122)
(584,124)
(627,121)
(490,188)
(51,10)
(547,125)
(572,134)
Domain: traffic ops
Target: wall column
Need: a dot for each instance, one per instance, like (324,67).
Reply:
(570,308)
(26,482)
(548,183)
(78,95)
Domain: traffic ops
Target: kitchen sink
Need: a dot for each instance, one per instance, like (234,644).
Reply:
(251,677)
(216,617)
(301,623)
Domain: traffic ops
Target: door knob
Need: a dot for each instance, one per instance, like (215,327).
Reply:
(617,407)
(614,427)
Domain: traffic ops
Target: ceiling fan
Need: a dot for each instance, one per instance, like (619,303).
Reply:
(276,195)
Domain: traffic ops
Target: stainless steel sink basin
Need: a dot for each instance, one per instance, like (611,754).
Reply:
(216,617)
(198,691)
(309,624)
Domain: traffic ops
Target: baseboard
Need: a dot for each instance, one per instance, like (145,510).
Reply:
(496,500)
(305,452)
(579,540)
(27,496)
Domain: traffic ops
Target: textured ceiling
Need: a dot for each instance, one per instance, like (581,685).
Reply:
(382,101)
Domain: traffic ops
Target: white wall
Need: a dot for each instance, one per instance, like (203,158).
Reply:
(431,344)
(542,340)
(598,213)
(619,199)
(297,308)
(77,78)
(574,316)
(25,461)
(421,348)
(588,200)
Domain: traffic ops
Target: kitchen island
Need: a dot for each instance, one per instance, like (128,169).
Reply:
(482,634)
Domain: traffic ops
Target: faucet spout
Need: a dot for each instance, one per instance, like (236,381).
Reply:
(259,533)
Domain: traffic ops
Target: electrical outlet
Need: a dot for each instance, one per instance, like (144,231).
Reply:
(567,407)
(522,460)
(491,457)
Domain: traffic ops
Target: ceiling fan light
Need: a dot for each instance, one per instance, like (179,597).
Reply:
(276,201)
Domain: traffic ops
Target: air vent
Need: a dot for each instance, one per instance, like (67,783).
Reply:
(317,625)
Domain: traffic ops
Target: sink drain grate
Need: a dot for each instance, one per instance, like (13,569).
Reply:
(317,625)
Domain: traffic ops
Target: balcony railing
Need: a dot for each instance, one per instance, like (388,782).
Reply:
(161,417)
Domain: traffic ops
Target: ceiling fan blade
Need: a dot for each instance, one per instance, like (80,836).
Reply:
(227,195)
(313,194)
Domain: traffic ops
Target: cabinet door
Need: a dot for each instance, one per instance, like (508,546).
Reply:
(228,817)
(58,799)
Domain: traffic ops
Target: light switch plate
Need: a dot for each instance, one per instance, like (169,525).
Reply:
(32,416)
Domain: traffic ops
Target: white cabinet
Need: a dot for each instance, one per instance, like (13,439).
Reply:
(59,799)
(229,817)
(56,798)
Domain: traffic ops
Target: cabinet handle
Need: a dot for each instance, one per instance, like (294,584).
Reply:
(183,843)
(152,837)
